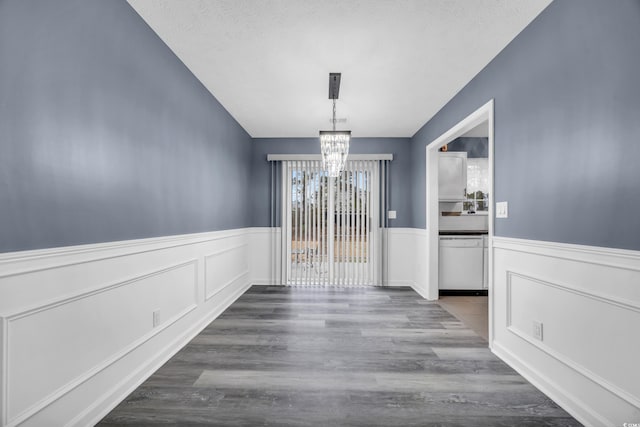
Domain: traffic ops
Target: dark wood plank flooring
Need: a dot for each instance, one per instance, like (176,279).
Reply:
(283,356)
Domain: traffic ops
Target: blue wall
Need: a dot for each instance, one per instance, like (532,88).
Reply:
(473,146)
(399,176)
(104,133)
(567,126)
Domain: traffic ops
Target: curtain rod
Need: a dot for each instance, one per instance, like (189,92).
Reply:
(285,157)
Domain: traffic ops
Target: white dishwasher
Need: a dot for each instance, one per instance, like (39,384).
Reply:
(461,262)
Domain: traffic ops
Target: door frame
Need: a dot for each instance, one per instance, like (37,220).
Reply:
(375,241)
(482,114)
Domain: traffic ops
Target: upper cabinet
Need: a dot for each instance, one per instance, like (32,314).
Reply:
(452,176)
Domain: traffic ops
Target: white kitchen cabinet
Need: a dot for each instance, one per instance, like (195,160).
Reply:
(452,176)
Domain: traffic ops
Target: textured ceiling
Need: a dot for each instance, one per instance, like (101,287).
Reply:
(268,61)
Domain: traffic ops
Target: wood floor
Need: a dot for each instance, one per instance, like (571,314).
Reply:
(283,356)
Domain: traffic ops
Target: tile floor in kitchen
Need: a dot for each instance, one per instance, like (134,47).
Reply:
(473,311)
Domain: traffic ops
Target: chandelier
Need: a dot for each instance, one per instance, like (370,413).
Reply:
(334,144)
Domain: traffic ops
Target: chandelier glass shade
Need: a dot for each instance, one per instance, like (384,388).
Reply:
(334,146)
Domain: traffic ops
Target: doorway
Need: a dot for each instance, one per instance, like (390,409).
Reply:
(330,224)
(483,115)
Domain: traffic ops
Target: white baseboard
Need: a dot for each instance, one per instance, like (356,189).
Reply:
(77,324)
(265,283)
(420,291)
(588,301)
(551,388)
(400,283)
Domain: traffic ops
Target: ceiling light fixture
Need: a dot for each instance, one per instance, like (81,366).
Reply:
(334,144)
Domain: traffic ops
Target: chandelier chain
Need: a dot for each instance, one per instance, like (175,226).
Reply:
(334,115)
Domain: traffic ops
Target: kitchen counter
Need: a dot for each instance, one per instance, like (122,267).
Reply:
(465,223)
(463,232)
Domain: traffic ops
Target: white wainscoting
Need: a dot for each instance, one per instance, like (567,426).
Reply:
(407,257)
(588,300)
(407,247)
(266,255)
(77,324)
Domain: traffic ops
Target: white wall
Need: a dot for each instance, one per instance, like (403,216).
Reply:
(588,300)
(407,257)
(77,331)
(266,255)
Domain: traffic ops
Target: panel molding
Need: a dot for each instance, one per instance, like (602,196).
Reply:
(229,282)
(580,276)
(75,296)
(608,257)
(69,386)
(583,413)
(89,253)
(244,272)
(94,413)
(144,263)
(566,360)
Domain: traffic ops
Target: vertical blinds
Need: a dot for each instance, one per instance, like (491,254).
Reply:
(331,226)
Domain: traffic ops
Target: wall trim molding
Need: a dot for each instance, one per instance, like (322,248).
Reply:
(74,296)
(229,282)
(407,230)
(573,369)
(573,252)
(421,291)
(135,246)
(111,398)
(263,282)
(567,361)
(579,410)
(154,262)
(399,283)
(618,302)
(208,296)
(66,388)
